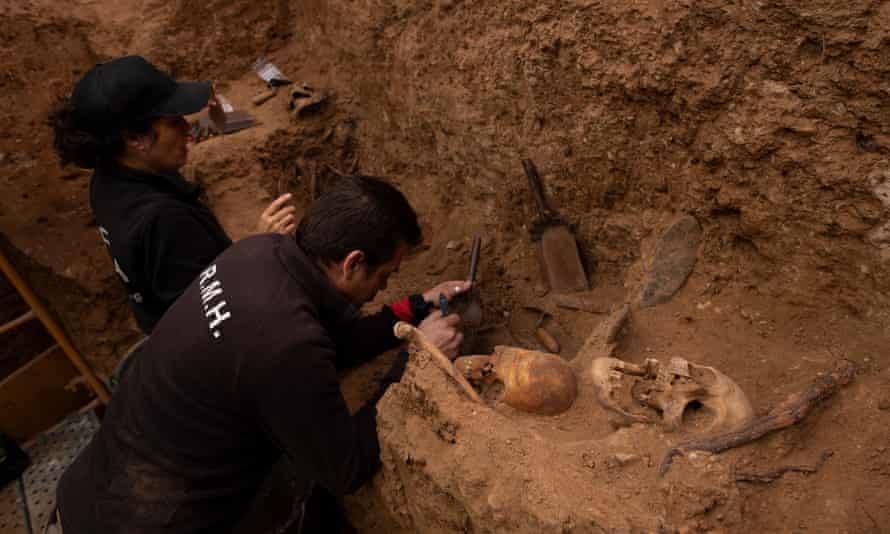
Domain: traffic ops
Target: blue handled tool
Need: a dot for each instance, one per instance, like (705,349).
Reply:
(443,304)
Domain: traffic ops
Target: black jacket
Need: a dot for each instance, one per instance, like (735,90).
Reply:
(159,235)
(242,368)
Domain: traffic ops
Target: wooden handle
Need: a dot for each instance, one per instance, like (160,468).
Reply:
(534,181)
(407,332)
(547,339)
(54,329)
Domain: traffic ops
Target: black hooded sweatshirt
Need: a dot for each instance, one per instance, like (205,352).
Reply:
(242,368)
(158,233)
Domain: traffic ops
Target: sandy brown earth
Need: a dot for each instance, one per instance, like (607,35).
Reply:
(766,121)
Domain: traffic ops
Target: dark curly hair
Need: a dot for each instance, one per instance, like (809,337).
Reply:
(86,147)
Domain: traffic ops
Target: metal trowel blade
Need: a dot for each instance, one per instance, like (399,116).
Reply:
(562,263)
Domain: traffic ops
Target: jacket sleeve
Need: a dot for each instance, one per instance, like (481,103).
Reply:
(365,337)
(299,404)
(371,335)
(177,247)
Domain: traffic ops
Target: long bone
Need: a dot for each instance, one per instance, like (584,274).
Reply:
(417,338)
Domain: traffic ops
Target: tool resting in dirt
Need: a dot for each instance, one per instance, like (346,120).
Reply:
(243,369)
(125,119)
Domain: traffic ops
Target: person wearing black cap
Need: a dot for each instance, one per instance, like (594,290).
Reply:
(125,119)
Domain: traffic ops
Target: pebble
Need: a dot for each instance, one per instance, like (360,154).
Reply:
(454,245)
(626,458)
(622,459)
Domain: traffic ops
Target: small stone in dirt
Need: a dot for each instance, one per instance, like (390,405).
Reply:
(454,245)
(884,404)
(622,459)
(675,256)
(541,290)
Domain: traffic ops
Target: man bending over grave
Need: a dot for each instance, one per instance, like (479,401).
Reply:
(242,369)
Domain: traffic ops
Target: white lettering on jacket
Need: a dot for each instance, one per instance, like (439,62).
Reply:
(211,299)
(106,238)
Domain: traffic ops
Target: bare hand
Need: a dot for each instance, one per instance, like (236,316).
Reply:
(450,289)
(443,333)
(278,217)
(213,101)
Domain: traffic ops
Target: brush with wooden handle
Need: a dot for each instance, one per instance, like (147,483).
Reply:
(407,332)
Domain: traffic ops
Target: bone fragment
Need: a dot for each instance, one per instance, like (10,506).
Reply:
(679,367)
(547,339)
(787,413)
(601,342)
(263,97)
(417,338)
(580,302)
(606,374)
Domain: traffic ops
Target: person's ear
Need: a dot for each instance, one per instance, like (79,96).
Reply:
(352,264)
(136,143)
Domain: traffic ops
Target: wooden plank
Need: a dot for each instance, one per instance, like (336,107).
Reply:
(39,395)
(53,328)
(20,320)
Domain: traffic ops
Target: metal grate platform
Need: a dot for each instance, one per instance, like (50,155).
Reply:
(26,504)
(51,453)
(12,510)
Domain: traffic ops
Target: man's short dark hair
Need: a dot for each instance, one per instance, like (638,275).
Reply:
(358,213)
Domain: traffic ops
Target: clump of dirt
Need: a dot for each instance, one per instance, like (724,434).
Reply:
(309,156)
(218,38)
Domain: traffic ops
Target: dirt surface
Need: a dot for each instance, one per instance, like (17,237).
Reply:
(767,122)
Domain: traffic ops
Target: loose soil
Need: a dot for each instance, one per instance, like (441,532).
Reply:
(768,123)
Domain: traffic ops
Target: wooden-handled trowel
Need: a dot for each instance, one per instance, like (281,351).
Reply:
(559,250)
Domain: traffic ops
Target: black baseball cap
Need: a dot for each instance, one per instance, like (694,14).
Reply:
(130,88)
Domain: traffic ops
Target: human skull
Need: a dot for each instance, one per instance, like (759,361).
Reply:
(534,382)
(670,388)
(608,375)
